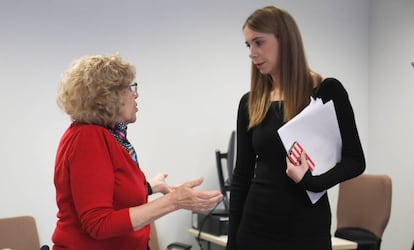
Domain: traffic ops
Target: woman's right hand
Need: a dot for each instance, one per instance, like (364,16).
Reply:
(296,172)
(186,196)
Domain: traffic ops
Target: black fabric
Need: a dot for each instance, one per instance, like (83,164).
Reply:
(267,209)
(365,239)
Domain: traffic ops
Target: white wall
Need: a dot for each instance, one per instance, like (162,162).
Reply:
(391,118)
(192,67)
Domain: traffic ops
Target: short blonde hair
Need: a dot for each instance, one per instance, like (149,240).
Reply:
(90,90)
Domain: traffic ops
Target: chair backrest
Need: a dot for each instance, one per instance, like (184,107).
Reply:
(225,173)
(365,202)
(231,152)
(19,233)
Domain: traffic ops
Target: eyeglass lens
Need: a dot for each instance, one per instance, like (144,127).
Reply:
(134,87)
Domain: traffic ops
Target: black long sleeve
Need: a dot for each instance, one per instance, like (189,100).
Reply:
(352,158)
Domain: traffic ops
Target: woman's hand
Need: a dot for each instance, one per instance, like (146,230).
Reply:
(158,184)
(181,197)
(296,172)
(186,197)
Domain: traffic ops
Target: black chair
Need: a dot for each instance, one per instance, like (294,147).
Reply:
(225,172)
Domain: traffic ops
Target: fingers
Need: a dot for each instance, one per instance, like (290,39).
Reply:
(185,197)
(206,200)
(161,176)
(294,172)
(159,185)
(207,194)
(288,162)
(188,184)
(194,183)
(303,159)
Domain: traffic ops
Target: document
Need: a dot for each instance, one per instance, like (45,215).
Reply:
(316,129)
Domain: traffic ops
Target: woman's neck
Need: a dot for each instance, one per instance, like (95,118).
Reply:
(275,94)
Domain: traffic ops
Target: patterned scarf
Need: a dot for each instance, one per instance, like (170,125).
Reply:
(119,131)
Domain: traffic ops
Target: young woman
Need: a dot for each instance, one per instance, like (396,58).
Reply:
(269,207)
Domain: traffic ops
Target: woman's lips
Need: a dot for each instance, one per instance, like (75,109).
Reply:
(259,65)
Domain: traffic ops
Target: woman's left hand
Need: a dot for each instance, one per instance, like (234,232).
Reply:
(296,172)
(159,185)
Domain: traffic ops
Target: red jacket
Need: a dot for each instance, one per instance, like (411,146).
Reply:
(96,183)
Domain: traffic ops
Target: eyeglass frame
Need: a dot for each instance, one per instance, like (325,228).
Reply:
(134,87)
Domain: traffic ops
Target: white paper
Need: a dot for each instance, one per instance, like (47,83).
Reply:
(317,131)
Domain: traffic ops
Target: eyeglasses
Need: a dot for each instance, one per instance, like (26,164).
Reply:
(134,88)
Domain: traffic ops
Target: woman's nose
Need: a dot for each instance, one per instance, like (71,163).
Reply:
(252,53)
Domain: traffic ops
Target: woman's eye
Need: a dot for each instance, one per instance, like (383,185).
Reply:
(259,43)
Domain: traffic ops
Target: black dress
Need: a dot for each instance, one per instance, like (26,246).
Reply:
(268,210)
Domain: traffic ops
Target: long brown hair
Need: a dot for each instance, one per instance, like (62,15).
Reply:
(296,82)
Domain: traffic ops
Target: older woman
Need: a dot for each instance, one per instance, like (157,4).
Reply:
(101,192)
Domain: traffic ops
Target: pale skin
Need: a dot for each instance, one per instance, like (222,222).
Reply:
(264,53)
(184,196)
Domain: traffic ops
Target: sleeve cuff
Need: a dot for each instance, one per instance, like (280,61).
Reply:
(149,188)
(305,180)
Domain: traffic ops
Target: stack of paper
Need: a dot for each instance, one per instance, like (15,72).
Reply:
(316,129)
